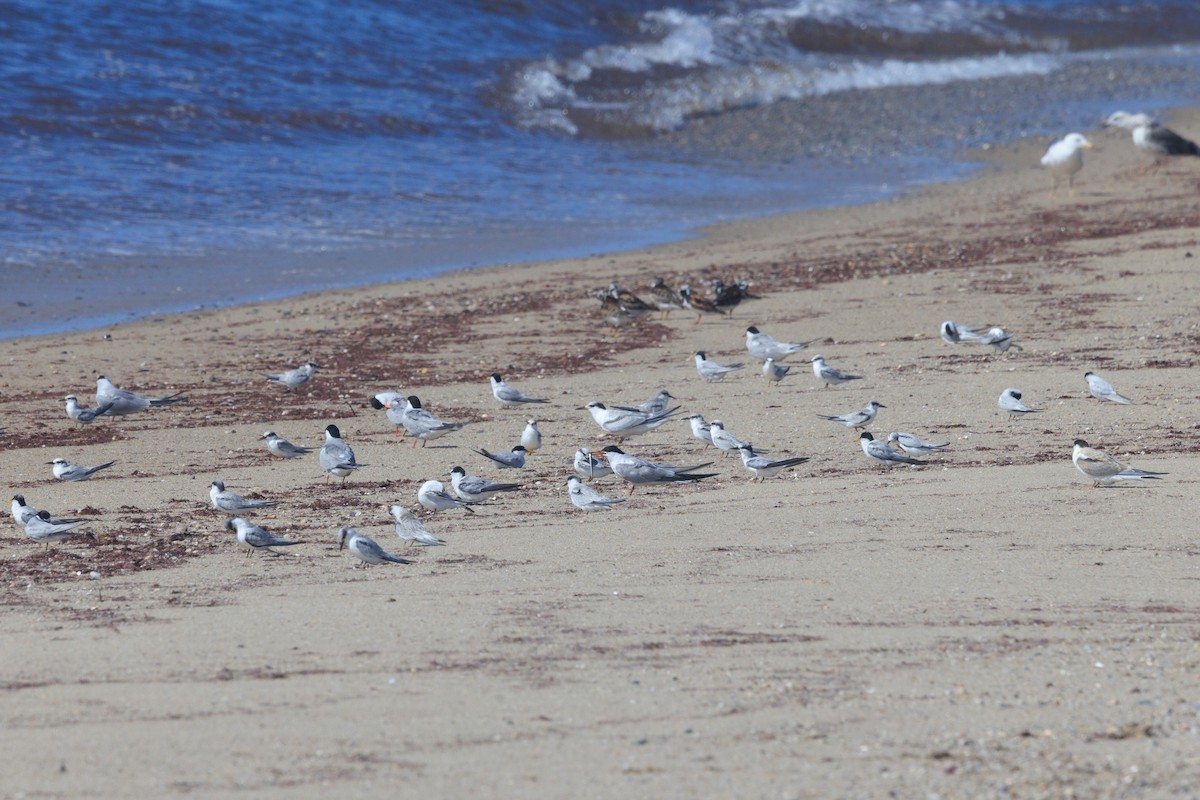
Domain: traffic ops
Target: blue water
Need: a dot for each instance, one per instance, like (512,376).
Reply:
(254,141)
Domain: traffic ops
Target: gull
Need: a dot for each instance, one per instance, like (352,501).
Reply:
(66,471)
(711,370)
(252,537)
(763,346)
(826,373)
(589,466)
(879,451)
(997,338)
(411,529)
(515,459)
(125,402)
(42,529)
(282,447)
(82,414)
(433,496)
(476,489)
(701,305)
(336,456)
(22,513)
(626,422)
(664,297)
(421,424)
(1103,468)
(857,419)
(508,396)
(915,445)
(366,549)
(531,437)
(773,372)
(1010,401)
(1103,390)
(700,429)
(722,439)
(953,333)
(636,471)
(588,499)
(294,377)
(225,500)
(1151,137)
(764,468)
(1065,157)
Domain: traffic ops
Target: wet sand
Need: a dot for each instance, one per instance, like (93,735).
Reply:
(989,624)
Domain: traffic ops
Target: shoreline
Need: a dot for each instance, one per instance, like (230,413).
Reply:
(986,623)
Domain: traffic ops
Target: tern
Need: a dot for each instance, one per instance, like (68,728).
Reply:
(293,378)
(763,346)
(763,467)
(828,374)
(82,414)
(1103,390)
(225,500)
(1103,468)
(433,495)
(420,424)
(857,419)
(953,333)
(365,548)
(998,339)
(654,406)
(531,437)
(508,396)
(514,459)
(42,529)
(722,439)
(880,452)
(282,447)
(22,513)
(122,402)
(411,529)
(588,499)
(336,456)
(66,471)
(915,445)
(476,489)
(700,429)
(1010,401)
(626,422)
(773,372)
(252,537)
(589,466)
(712,371)
(636,471)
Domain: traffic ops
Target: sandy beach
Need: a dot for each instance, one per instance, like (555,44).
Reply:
(986,625)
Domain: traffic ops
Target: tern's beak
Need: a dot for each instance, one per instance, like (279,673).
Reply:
(598,453)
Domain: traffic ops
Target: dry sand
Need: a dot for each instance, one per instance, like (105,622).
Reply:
(988,625)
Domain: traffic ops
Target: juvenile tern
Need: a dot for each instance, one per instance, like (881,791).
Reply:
(282,447)
(531,437)
(880,452)
(700,429)
(508,396)
(1065,157)
(1103,390)
(82,414)
(828,374)
(124,402)
(252,537)
(763,346)
(411,529)
(654,406)
(589,466)
(637,472)
(65,471)
(626,422)
(336,456)
(515,459)
(915,445)
(722,439)
(773,372)
(475,489)
(42,529)
(857,419)
(712,371)
(763,467)
(22,513)
(1010,401)
(225,500)
(433,496)
(588,499)
(368,552)
(294,377)
(420,424)
(1103,468)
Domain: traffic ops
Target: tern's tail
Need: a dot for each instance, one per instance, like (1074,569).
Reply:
(166,401)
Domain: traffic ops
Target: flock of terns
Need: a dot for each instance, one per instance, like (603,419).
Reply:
(337,458)
(1065,156)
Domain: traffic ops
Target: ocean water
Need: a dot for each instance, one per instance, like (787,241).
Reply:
(161,157)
